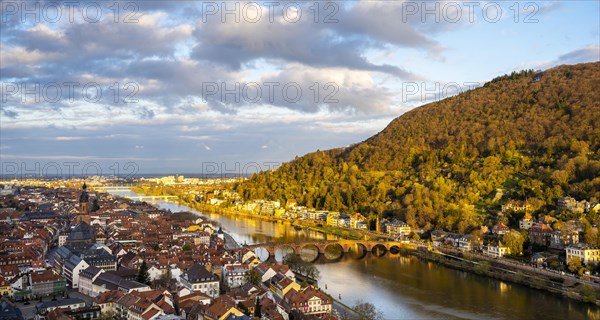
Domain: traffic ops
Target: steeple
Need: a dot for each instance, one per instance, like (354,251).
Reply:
(84,198)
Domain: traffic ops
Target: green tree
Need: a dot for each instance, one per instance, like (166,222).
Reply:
(300,266)
(253,276)
(514,241)
(257,311)
(95,206)
(575,265)
(587,292)
(143,276)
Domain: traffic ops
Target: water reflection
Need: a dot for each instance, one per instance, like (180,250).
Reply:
(404,287)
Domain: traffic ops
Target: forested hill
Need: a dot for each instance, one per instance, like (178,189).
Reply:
(452,163)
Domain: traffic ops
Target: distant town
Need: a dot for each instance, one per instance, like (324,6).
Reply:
(71,250)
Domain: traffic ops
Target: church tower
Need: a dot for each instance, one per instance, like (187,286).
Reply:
(84,200)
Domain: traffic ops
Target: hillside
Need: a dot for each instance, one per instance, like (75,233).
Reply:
(451,164)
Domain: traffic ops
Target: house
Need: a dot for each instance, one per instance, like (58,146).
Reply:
(332,219)
(540,233)
(343,221)
(220,309)
(186,302)
(497,250)
(562,238)
(5,289)
(87,278)
(587,254)
(71,269)
(265,271)
(107,281)
(438,237)
(526,223)
(281,285)
(136,305)
(285,270)
(569,203)
(500,229)
(310,301)
(197,278)
(70,303)
(234,275)
(541,259)
(397,228)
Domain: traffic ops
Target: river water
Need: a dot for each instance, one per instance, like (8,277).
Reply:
(403,287)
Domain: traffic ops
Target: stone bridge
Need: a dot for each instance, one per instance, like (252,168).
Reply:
(331,249)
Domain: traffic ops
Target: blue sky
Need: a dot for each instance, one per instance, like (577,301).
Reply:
(354,63)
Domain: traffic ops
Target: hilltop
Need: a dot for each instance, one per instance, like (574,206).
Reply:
(451,164)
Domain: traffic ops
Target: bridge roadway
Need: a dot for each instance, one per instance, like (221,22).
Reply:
(342,246)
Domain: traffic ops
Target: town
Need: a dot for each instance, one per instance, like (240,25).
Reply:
(75,254)
(72,253)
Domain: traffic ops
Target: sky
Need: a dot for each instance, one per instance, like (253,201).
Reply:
(181,87)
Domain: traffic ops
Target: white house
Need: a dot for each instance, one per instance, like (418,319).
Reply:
(586,253)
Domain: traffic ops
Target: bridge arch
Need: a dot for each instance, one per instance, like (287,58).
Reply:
(282,251)
(309,252)
(378,250)
(333,251)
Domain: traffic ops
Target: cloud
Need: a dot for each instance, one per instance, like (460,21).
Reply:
(68,138)
(587,54)
(202,138)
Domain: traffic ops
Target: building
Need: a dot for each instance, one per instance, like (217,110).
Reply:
(309,301)
(562,238)
(5,289)
(515,206)
(500,229)
(86,279)
(541,234)
(588,255)
(497,250)
(397,228)
(197,278)
(71,269)
(234,275)
(9,311)
(525,223)
(83,215)
(71,303)
(46,283)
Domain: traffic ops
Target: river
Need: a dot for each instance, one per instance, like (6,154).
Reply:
(404,287)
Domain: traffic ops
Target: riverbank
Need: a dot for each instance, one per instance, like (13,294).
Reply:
(459,261)
(493,269)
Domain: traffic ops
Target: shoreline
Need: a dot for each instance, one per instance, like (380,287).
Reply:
(501,273)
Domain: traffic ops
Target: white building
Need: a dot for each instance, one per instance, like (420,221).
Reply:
(585,253)
(197,278)
(234,275)
(497,250)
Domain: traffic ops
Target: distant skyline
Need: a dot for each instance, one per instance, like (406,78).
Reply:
(358,64)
